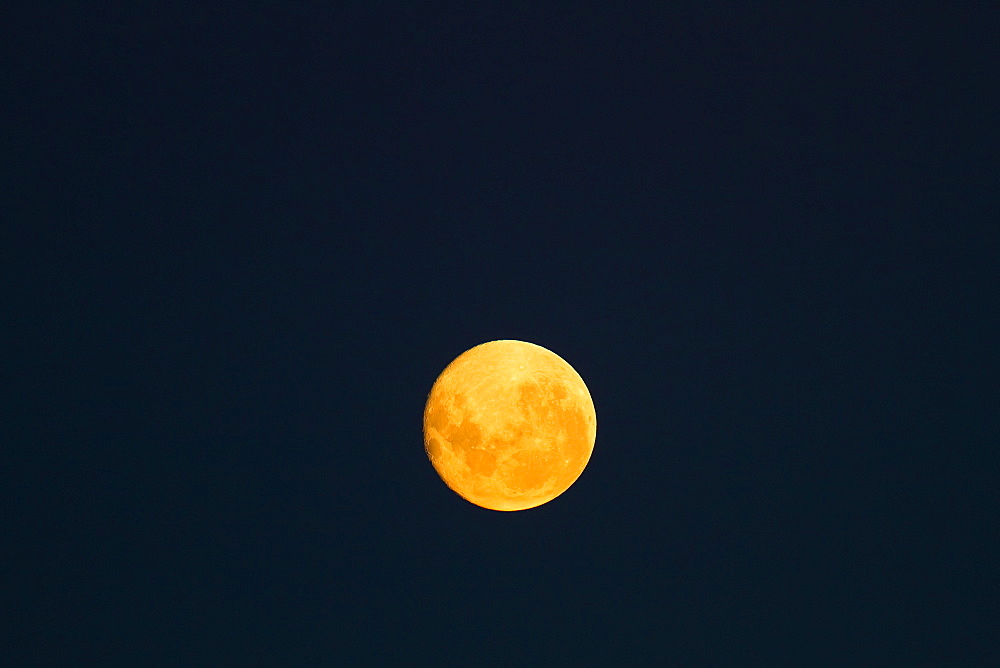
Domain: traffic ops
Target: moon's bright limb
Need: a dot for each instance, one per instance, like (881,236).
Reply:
(509,425)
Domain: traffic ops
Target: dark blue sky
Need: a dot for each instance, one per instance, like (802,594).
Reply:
(239,244)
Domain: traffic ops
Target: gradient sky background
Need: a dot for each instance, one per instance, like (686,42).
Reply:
(241,241)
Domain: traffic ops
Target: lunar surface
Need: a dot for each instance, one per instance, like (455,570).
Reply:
(509,425)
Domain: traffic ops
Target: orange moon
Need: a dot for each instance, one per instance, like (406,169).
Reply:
(509,425)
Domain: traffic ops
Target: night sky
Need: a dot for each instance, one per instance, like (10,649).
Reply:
(240,242)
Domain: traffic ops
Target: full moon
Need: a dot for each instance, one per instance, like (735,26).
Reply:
(509,425)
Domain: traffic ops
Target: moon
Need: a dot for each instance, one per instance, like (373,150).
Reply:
(509,425)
